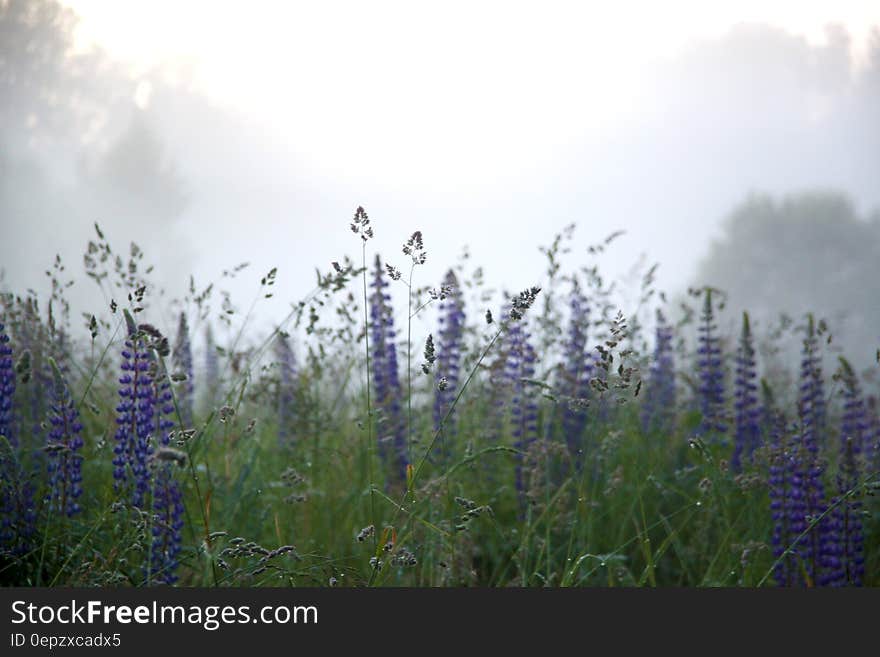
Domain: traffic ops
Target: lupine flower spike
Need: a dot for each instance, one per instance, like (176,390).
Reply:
(386,378)
(62,446)
(846,556)
(658,410)
(167,503)
(521,358)
(711,371)
(451,342)
(135,419)
(811,409)
(17,509)
(747,416)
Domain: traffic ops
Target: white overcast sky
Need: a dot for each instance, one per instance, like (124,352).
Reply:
(492,124)
(413,85)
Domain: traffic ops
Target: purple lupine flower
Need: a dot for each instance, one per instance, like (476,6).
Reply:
(497,393)
(520,366)
(386,378)
(658,409)
(872,437)
(811,404)
(711,371)
(852,547)
(845,550)
(62,446)
(778,481)
(286,390)
(183,363)
(167,503)
(811,409)
(747,416)
(855,423)
(852,539)
(135,417)
(162,403)
(577,369)
(7,386)
(17,510)
(787,504)
(500,385)
(449,352)
(168,510)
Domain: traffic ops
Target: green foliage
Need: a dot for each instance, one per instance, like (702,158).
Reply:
(635,507)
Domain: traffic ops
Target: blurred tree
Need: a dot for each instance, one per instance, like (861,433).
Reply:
(47,90)
(34,40)
(79,142)
(807,252)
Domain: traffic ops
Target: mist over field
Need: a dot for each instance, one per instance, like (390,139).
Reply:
(335,294)
(496,149)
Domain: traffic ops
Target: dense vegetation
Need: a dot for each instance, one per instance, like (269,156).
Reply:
(552,440)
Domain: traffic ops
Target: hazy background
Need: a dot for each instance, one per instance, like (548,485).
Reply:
(220,132)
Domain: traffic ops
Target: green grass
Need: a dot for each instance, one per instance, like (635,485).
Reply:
(641,509)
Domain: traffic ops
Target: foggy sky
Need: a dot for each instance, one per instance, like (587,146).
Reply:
(756,110)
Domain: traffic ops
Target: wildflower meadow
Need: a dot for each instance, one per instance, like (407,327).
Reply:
(396,431)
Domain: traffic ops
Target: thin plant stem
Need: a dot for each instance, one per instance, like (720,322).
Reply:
(409,317)
(424,458)
(369,447)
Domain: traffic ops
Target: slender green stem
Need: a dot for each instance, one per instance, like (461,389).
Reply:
(44,546)
(409,317)
(369,447)
(189,446)
(424,458)
(97,367)
(452,406)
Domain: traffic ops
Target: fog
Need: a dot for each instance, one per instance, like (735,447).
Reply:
(494,132)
